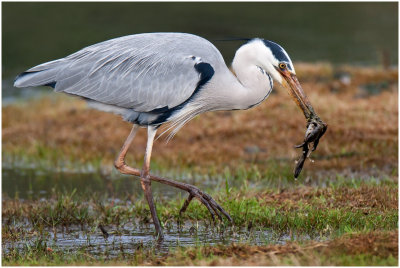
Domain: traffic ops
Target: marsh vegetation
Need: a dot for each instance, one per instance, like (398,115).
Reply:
(63,203)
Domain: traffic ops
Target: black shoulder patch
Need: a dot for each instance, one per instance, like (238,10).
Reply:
(206,72)
(277,50)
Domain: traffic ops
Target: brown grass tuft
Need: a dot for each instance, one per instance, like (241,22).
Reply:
(381,244)
(362,132)
(366,197)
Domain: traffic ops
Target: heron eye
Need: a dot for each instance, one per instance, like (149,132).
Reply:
(282,66)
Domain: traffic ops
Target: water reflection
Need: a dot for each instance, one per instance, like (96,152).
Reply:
(129,238)
(32,183)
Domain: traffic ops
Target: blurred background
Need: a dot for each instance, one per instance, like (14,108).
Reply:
(336,32)
(345,55)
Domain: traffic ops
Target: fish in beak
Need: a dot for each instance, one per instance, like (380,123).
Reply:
(316,128)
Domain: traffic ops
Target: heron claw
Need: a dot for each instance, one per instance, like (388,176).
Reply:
(213,207)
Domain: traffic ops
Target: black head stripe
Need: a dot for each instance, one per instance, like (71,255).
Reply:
(277,50)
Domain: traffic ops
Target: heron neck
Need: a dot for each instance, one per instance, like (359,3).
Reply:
(254,83)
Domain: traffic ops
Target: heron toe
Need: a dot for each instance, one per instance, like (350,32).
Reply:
(213,207)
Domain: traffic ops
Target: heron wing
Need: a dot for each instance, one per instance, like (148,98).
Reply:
(145,72)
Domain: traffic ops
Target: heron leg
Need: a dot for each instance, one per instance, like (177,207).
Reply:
(212,206)
(144,175)
(146,181)
(119,163)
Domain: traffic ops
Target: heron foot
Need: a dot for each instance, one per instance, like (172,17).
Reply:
(213,207)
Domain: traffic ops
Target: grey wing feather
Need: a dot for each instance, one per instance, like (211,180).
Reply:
(142,72)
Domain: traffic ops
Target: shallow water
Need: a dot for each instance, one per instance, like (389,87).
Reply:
(131,237)
(31,183)
(40,184)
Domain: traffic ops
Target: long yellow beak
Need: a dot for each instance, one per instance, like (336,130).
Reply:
(316,128)
(295,90)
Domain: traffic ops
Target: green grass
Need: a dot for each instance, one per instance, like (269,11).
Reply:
(308,215)
(318,212)
(268,199)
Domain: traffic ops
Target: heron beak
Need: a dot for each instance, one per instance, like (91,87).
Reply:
(292,84)
(316,128)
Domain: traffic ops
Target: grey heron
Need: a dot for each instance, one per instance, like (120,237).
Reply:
(155,78)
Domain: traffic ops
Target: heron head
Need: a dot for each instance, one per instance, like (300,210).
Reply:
(269,56)
(277,63)
(274,60)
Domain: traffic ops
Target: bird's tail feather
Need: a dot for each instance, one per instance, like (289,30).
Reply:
(41,75)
